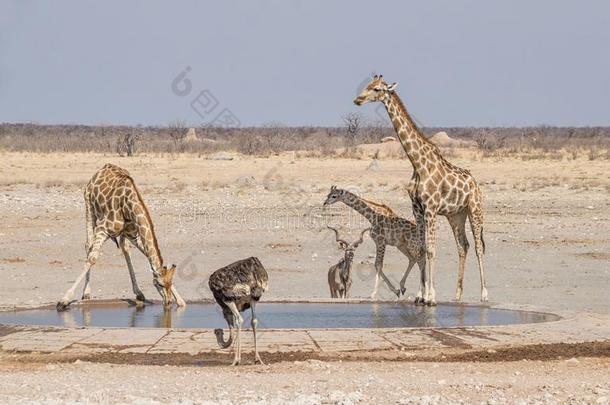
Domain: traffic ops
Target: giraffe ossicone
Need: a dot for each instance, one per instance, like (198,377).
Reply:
(115,209)
(387,229)
(437,187)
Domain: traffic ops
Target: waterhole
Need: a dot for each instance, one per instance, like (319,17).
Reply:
(276,315)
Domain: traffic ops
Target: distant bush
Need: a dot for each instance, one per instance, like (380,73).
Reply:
(592,142)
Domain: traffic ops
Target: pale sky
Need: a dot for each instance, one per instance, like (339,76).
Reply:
(458,63)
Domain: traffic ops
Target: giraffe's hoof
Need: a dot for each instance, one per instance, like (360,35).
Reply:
(431,303)
(235,363)
(140,297)
(418,301)
(86,296)
(484,295)
(257,360)
(62,306)
(403,290)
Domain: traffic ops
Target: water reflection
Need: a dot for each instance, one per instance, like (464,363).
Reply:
(404,314)
(168,316)
(137,311)
(278,315)
(71,320)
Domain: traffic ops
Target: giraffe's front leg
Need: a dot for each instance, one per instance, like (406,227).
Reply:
(378,268)
(100,238)
(430,293)
(419,298)
(379,272)
(87,287)
(378,262)
(405,276)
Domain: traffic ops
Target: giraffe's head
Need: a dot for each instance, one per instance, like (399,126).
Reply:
(336,194)
(163,281)
(377,90)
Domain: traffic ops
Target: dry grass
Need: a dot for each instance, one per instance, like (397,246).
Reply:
(533,143)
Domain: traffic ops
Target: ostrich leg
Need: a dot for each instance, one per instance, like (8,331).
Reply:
(238,321)
(257,357)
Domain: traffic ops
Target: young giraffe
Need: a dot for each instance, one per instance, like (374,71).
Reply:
(387,229)
(437,188)
(115,209)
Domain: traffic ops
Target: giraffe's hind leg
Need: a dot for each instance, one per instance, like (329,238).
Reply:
(132,275)
(476,223)
(458,226)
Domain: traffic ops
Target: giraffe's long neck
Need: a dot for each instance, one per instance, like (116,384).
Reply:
(152,249)
(422,154)
(359,205)
(146,231)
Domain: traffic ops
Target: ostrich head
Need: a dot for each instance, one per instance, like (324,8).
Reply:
(377,90)
(230,318)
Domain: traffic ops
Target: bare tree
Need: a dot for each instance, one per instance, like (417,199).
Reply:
(373,131)
(177,131)
(353,122)
(126,143)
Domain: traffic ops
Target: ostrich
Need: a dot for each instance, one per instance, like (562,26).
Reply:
(339,275)
(236,288)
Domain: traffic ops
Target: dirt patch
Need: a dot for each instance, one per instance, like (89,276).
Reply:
(13,260)
(537,352)
(594,255)
(560,242)
(542,352)
(7,330)
(283,247)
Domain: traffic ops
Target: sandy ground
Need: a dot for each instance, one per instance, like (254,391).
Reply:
(547,231)
(311,382)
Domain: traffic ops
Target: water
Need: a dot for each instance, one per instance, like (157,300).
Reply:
(276,316)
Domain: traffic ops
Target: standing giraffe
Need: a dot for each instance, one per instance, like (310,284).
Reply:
(387,229)
(115,209)
(437,187)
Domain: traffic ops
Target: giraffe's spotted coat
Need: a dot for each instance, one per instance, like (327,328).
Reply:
(437,187)
(388,229)
(115,209)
